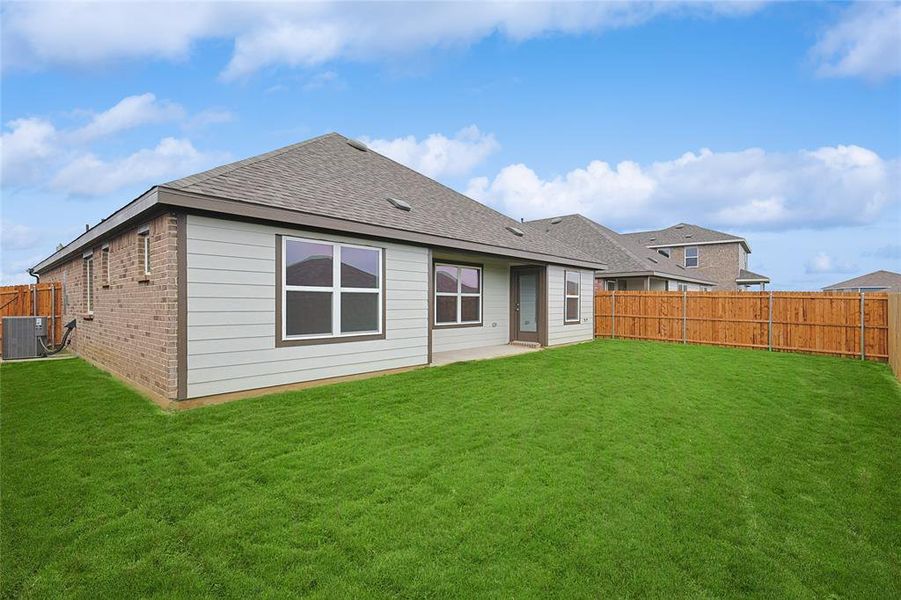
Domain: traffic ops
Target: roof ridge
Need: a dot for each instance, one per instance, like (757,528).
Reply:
(225,169)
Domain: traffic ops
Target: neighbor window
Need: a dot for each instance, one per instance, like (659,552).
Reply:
(89,284)
(683,287)
(458,294)
(330,290)
(691,256)
(572,293)
(611,286)
(144,250)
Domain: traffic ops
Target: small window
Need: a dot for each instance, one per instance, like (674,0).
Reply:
(611,285)
(330,290)
(89,284)
(691,256)
(104,267)
(572,295)
(458,294)
(144,250)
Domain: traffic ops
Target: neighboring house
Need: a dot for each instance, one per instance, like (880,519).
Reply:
(877,281)
(713,255)
(630,266)
(318,260)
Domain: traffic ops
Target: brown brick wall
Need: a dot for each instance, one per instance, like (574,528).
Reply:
(133,332)
(717,263)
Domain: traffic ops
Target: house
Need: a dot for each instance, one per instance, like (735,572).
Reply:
(320,260)
(630,266)
(712,255)
(877,281)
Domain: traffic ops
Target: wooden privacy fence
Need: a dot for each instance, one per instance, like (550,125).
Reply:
(34,300)
(841,324)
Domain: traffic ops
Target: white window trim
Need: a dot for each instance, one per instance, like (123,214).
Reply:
(89,284)
(577,296)
(335,290)
(459,294)
(697,257)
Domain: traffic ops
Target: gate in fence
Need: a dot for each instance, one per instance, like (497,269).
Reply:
(840,324)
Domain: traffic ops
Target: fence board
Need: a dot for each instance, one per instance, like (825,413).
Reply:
(34,300)
(815,322)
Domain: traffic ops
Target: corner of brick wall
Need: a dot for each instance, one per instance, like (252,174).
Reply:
(134,330)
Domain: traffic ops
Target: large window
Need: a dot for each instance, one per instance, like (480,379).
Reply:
(330,290)
(691,256)
(572,293)
(458,294)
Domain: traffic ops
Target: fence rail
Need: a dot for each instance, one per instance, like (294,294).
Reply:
(840,324)
(34,300)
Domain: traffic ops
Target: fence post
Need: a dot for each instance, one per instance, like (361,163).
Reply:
(613,317)
(769,330)
(862,329)
(684,310)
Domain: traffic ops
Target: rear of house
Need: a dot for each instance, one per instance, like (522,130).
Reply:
(319,260)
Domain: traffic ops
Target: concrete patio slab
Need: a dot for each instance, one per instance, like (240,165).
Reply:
(483,353)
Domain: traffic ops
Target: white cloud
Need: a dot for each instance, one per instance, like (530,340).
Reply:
(302,34)
(830,186)
(23,146)
(438,155)
(14,236)
(36,152)
(128,113)
(824,263)
(866,43)
(89,175)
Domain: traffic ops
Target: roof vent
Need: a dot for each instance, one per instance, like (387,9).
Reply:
(688,235)
(515,231)
(652,239)
(556,220)
(653,260)
(679,226)
(358,145)
(399,204)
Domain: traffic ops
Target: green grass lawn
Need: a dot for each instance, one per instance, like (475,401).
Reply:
(605,469)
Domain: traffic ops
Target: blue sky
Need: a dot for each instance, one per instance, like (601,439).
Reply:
(780,122)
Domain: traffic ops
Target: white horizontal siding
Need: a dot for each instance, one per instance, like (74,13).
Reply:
(495,327)
(557,332)
(231,312)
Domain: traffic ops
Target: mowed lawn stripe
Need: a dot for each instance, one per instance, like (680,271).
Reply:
(610,468)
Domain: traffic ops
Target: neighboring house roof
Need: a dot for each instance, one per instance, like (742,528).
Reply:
(624,257)
(684,234)
(332,182)
(745,276)
(888,281)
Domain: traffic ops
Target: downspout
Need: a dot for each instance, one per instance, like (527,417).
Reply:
(33,274)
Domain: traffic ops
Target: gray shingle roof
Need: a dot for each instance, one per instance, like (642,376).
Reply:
(683,233)
(329,177)
(889,280)
(745,275)
(622,254)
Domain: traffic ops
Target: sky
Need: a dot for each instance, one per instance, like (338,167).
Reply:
(779,122)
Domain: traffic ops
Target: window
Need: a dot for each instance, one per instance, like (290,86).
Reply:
(458,294)
(691,256)
(683,287)
(104,267)
(572,293)
(664,251)
(330,290)
(144,251)
(611,285)
(89,284)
